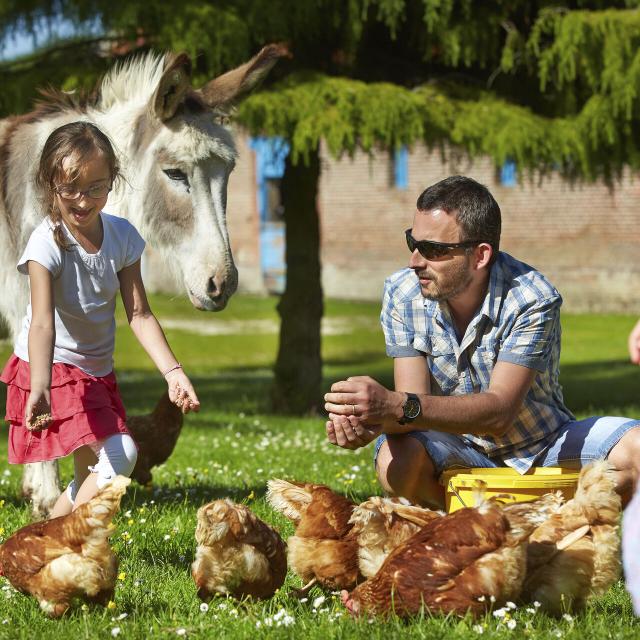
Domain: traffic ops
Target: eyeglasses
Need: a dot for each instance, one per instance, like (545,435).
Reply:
(69,192)
(431,250)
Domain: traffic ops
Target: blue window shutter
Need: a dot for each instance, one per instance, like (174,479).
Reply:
(271,154)
(508,174)
(401,167)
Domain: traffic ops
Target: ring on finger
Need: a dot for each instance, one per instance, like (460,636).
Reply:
(353,406)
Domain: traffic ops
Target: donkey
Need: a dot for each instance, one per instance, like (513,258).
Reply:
(176,154)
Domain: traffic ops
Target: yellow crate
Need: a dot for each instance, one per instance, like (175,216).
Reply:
(506,484)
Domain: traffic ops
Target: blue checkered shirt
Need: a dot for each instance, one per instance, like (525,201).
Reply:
(519,322)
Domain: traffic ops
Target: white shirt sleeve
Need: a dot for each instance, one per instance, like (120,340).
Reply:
(135,247)
(42,248)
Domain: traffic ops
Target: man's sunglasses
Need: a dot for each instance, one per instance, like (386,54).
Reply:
(431,250)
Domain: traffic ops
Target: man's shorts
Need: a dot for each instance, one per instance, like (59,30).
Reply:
(571,446)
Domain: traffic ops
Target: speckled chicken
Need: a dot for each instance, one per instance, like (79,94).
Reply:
(68,557)
(156,435)
(455,564)
(575,554)
(323,548)
(381,524)
(238,554)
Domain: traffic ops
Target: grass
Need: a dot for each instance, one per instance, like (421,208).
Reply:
(234,445)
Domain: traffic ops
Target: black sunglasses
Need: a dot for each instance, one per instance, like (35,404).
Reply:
(431,250)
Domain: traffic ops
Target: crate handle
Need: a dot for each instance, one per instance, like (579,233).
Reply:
(454,490)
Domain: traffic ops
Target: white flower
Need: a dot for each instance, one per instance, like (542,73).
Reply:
(478,628)
(167,536)
(511,624)
(492,598)
(122,616)
(481,599)
(318,601)
(567,617)
(500,613)
(511,605)
(181,632)
(530,610)
(304,599)
(115,631)
(204,607)
(536,604)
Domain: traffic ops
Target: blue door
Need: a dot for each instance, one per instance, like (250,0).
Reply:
(271,154)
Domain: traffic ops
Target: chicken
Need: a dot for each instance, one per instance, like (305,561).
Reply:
(535,512)
(67,557)
(238,554)
(323,548)
(156,435)
(381,524)
(575,554)
(456,564)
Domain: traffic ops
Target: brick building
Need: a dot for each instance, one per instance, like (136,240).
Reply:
(584,237)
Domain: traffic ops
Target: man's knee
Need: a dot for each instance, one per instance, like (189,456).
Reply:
(401,464)
(625,455)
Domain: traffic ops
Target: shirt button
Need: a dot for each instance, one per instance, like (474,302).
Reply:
(463,374)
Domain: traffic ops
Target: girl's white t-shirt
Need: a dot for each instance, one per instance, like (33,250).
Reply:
(85,287)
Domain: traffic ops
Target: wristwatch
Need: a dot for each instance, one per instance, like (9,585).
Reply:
(411,409)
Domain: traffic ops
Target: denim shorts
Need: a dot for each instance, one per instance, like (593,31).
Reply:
(571,446)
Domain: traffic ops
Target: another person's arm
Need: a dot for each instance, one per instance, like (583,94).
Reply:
(149,333)
(634,344)
(40,343)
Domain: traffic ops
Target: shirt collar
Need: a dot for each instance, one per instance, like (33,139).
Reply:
(493,298)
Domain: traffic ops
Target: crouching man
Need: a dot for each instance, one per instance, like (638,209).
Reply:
(475,338)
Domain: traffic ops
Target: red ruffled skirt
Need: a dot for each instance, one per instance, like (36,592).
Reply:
(84,408)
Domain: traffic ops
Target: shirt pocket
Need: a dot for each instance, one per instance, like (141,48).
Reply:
(483,359)
(443,365)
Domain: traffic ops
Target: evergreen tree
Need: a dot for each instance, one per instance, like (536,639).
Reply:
(551,85)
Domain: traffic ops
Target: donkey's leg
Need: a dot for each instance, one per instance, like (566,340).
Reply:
(41,482)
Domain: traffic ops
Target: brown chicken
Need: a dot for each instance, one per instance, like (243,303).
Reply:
(459,563)
(156,435)
(238,554)
(67,557)
(382,524)
(575,554)
(323,548)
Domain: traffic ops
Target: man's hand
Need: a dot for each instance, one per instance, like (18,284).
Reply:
(368,400)
(634,344)
(349,433)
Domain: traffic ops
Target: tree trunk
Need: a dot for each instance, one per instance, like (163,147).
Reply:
(298,369)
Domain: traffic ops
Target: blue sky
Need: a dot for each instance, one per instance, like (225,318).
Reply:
(21,43)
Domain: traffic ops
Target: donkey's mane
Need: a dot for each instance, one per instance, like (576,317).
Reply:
(133,80)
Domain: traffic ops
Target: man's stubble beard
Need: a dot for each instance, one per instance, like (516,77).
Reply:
(459,280)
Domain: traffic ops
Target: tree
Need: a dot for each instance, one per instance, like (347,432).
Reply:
(553,86)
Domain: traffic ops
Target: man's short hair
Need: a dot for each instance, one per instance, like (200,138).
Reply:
(476,210)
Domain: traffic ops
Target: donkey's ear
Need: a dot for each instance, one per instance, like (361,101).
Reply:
(222,92)
(175,81)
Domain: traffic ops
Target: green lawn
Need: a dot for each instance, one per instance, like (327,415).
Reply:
(234,445)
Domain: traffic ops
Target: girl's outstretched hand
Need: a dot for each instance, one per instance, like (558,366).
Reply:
(181,391)
(37,413)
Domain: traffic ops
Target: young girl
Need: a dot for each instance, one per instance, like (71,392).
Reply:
(62,394)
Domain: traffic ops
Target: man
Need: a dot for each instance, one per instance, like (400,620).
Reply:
(475,337)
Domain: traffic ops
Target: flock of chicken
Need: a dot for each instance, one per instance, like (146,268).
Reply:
(385,555)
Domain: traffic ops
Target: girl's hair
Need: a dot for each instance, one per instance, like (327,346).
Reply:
(78,141)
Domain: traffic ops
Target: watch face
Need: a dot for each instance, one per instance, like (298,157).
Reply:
(411,408)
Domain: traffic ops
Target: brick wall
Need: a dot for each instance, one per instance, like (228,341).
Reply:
(585,238)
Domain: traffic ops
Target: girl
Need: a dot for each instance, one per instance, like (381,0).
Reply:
(62,395)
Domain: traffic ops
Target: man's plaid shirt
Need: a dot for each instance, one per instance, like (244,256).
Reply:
(519,322)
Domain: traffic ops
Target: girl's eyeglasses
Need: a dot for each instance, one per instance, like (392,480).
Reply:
(69,192)
(431,250)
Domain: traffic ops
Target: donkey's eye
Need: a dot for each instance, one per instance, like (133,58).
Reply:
(177,175)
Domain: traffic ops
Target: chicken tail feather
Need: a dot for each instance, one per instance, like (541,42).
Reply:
(288,498)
